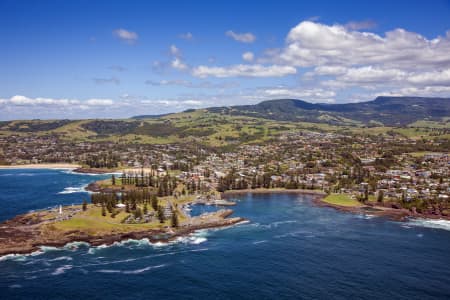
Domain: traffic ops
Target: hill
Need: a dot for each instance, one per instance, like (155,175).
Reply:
(231,126)
(388,111)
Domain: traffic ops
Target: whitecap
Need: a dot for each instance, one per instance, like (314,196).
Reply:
(19,257)
(436,224)
(61,270)
(15,257)
(71,190)
(130,272)
(68,258)
(259,242)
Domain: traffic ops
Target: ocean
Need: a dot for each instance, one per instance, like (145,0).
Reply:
(289,249)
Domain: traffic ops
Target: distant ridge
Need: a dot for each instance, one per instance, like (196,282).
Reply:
(390,111)
(149,116)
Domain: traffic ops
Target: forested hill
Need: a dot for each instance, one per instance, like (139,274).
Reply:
(389,111)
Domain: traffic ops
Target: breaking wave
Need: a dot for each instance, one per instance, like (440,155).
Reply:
(71,190)
(131,272)
(436,224)
(61,270)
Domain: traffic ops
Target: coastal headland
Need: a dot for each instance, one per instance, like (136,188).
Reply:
(27,233)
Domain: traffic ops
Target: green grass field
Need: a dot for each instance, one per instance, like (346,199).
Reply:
(342,200)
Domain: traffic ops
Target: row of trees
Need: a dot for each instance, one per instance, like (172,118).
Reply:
(165,185)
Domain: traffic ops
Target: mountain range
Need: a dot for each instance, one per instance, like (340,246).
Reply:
(388,111)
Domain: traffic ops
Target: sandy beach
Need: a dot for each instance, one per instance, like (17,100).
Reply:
(42,166)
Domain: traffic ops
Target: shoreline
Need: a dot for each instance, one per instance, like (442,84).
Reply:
(401,214)
(25,234)
(41,166)
(274,191)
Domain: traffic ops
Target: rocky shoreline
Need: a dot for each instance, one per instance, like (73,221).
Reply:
(26,234)
(93,171)
(395,214)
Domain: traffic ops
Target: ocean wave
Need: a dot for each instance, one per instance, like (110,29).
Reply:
(71,190)
(67,258)
(436,224)
(19,257)
(271,225)
(19,174)
(131,272)
(259,242)
(61,270)
(72,172)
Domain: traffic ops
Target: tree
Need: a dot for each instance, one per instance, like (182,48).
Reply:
(161,216)
(138,213)
(175,219)
(84,205)
(154,202)
(380,196)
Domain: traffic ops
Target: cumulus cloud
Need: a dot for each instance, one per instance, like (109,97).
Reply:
(310,94)
(20,100)
(314,44)
(126,35)
(248,56)
(241,37)
(174,103)
(431,78)
(178,64)
(244,71)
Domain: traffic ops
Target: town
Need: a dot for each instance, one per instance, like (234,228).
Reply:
(387,170)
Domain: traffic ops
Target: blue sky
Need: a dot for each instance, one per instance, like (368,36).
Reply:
(83,59)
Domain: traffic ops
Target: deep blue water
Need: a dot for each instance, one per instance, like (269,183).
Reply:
(289,249)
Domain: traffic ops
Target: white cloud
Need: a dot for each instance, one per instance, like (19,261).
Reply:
(20,100)
(175,51)
(241,37)
(186,36)
(178,64)
(314,94)
(174,102)
(244,71)
(314,44)
(248,56)
(99,102)
(431,78)
(126,35)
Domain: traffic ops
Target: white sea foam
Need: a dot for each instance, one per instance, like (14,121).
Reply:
(259,242)
(72,172)
(131,272)
(71,189)
(437,224)
(62,270)
(67,258)
(20,257)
